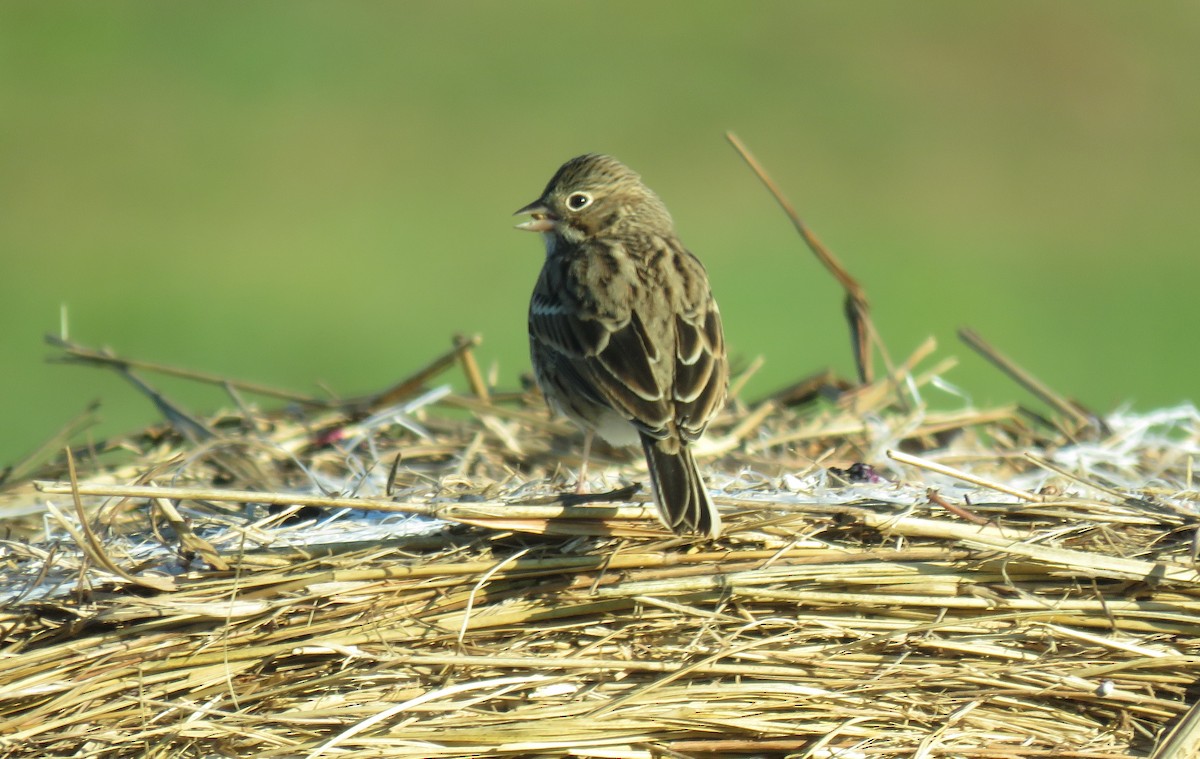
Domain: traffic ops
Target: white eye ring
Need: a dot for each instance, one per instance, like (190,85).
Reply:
(577,201)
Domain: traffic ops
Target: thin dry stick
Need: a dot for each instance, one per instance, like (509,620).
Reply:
(1023,378)
(858,311)
(1014,542)
(958,511)
(186,424)
(80,354)
(950,471)
(417,380)
(471,367)
(568,663)
(475,509)
(1051,466)
(462,631)
(233,496)
(29,464)
(91,544)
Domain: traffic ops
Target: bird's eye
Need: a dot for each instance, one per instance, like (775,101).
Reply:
(577,201)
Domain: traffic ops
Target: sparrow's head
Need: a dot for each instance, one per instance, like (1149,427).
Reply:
(596,196)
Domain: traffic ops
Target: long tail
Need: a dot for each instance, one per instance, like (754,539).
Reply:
(683,502)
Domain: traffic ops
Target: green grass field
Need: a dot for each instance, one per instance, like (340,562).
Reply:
(316,192)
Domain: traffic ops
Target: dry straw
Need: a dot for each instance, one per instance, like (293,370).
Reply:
(398,576)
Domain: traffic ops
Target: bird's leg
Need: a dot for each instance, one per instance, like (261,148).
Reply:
(583,465)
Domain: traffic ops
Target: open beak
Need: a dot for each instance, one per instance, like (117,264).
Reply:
(542,221)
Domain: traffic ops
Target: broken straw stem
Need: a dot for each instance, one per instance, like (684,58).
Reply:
(959,474)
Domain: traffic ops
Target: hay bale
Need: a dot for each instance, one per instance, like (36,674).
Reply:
(403,579)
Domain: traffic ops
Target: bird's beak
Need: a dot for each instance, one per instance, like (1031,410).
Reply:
(542,221)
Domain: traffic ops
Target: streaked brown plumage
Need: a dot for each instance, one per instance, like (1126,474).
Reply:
(624,334)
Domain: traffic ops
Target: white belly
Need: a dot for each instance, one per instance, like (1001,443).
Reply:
(616,429)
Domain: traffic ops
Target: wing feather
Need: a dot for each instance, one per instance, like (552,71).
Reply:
(659,364)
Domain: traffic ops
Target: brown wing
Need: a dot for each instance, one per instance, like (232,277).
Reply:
(643,340)
(701,372)
(582,318)
(701,369)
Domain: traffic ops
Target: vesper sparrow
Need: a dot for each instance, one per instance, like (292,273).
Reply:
(624,334)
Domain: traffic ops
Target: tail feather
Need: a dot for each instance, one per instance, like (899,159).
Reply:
(683,501)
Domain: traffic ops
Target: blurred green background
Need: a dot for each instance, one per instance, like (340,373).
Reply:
(303,192)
